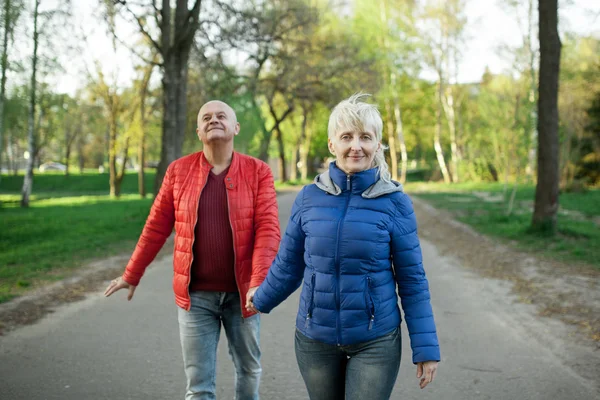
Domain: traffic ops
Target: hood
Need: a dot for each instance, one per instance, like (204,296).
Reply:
(377,189)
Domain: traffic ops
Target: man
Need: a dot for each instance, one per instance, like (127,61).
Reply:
(224,210)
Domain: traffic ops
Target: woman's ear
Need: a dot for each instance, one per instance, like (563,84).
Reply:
(330,146)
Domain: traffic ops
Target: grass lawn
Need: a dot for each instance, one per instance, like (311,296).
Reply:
(484,207)
(56,184)
(70,221)
(53,235)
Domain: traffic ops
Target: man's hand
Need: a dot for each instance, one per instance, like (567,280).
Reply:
(118,284)
(249,297)
(426,371)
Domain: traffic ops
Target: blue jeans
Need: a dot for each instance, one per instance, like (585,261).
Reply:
(199,331)
(360,371)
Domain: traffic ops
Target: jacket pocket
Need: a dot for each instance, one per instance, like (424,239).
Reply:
(370,303)
(311,298)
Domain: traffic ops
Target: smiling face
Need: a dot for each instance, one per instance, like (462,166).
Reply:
(217,123)
(354,150)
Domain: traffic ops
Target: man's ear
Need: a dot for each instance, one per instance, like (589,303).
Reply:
(237,128)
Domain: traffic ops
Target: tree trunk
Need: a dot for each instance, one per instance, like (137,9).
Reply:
(174,117)
(28,180)
(546,191)
(282,168)
(294,164)
(80,156)
(142,162)
(263,153)
(533,134)
(177,37)
(451,118)
(264,145)
(142,141)
(4,63)
(10,152)
(400,134)
(119,179)
(306,137)
(67,157)
(438,133)
(391,141)
(112,157)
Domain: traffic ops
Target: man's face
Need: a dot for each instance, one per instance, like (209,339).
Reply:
(216,122)
(354,151)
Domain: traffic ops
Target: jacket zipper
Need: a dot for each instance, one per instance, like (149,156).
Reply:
(371,310)
(193,240)
(337,261)
(312,300)
(234,256)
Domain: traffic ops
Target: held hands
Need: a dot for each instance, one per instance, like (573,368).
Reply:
(249,297)
(118,284)
(426,371)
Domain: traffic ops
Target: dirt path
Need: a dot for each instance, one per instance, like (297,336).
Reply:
(567,295)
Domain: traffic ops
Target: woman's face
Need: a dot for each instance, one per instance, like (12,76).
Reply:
(354,151)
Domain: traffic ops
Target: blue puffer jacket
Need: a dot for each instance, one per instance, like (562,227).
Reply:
(342,238)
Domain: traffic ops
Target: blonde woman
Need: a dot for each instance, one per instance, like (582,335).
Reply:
(351,240)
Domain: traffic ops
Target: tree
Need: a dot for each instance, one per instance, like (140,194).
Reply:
(177,27)
(11,14)
(143,94)
(547,189)
(28,180)
(447,21)
(114,106)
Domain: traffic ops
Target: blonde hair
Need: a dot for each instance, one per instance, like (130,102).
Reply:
(354,114)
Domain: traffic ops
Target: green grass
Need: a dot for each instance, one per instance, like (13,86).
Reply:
(578,237)
(40,243)
(291,184)
(54,184)
(70,221)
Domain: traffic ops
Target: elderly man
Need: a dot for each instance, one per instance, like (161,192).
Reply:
(223,206)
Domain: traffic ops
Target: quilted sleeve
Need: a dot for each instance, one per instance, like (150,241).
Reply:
(157,229)
(285,275)
(413,287)
(266,226)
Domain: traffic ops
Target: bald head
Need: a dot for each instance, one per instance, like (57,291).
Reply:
(213,107)
(217,123)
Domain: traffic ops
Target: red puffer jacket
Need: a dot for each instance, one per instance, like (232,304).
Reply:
(252,213)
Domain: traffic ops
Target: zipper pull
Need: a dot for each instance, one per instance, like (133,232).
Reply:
(306,323)
(371,322)
(348,182)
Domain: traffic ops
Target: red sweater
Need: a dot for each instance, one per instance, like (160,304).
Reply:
(213,264)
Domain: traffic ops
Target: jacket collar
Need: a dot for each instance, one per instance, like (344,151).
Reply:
(334,181)
(233,167)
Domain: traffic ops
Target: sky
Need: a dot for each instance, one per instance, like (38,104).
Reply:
(488,27)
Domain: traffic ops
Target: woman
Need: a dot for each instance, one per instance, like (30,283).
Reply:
(352,238)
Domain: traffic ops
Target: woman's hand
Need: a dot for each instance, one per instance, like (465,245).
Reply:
(426,371)
(118,284)
(249,297)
